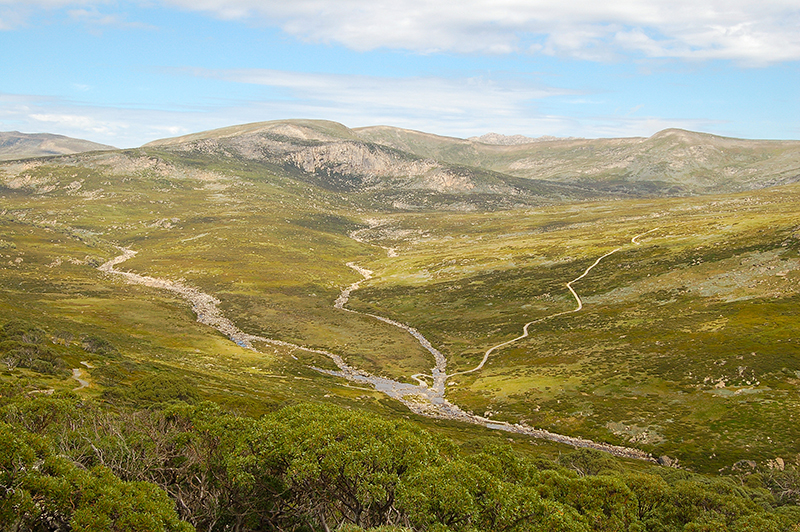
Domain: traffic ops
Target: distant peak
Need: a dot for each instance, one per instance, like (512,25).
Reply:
(672,132)
(511,140)
(16,145)
(298,128)
(686,135)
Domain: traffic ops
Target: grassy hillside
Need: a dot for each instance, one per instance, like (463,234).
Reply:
(685,346)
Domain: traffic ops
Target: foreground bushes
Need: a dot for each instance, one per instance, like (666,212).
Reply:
(42,491)
(68,464)
(23,345)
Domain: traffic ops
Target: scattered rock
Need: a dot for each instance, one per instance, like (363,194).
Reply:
(777,463)
(741,464)
(666,461)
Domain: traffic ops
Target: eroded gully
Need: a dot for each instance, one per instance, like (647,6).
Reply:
(420,398)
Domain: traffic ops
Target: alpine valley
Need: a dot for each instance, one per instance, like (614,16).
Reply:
(497,302)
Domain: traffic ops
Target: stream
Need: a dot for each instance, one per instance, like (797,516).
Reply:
(420,398)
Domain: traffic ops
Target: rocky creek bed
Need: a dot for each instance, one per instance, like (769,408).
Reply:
(420,398)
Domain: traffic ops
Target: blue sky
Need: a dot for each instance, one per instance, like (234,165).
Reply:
(127,72)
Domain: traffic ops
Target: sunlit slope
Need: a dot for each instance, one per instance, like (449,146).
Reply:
(376,176)
(673,162)
(271,250)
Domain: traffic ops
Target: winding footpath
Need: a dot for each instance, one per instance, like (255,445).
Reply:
(579,307)
(420,398)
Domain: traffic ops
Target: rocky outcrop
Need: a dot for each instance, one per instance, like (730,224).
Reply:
(348,165)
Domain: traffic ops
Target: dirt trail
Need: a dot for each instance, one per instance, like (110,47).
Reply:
(635,240)
(578,308)
(419,398)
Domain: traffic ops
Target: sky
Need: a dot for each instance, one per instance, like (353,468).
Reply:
(127,72)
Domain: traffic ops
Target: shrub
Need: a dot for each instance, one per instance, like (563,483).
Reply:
(163,388)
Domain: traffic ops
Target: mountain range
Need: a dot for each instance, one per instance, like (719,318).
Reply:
(670,163)
(395,165)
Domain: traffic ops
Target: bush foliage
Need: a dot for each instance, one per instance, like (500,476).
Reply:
(70,464)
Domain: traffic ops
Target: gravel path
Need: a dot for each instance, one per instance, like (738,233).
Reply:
(578,308)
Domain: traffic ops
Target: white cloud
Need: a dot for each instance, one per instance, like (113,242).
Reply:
(115,126)
(50,4)
(751,32)
(306,98)
(460,107)
(92,17)
(754,33)
(410,96)
(619,126)
(74,122)
(15,13)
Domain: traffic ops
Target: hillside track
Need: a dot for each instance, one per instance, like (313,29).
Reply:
(578,308)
